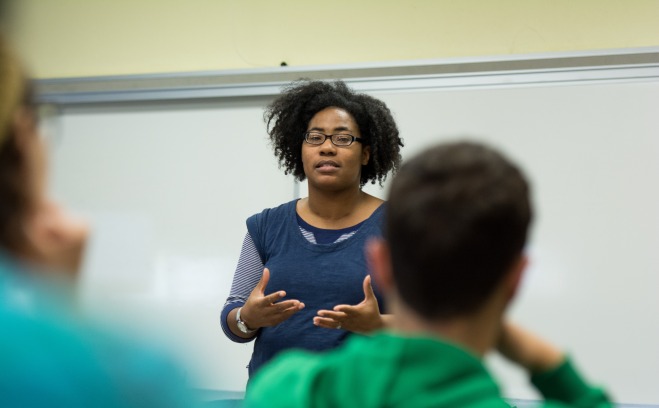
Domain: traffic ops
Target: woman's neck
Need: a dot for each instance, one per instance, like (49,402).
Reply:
(334,205)
(335,210)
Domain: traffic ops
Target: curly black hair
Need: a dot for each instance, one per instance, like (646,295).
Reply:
(288,116)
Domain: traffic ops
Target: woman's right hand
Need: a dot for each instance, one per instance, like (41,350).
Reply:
(263,311)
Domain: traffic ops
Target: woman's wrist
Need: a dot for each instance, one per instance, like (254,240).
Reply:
(243,315)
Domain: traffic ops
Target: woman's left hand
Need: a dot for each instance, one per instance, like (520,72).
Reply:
(362,318)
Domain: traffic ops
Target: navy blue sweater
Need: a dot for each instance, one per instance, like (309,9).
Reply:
(319,275)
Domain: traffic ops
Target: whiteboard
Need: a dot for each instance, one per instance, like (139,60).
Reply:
(592,155)
(169,184)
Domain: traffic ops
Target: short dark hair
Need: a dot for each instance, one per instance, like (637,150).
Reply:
(288,116)
(457,219)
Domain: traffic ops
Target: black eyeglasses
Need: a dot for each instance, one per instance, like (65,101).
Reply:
(339,139)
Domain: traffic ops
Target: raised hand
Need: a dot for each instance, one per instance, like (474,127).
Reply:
(361,318)
(263,311)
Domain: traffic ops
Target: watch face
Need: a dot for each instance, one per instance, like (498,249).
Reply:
(242,327)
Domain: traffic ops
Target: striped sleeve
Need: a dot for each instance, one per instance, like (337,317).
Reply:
(247,275)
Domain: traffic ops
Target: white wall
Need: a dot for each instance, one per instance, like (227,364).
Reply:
(73,38)
(170,184)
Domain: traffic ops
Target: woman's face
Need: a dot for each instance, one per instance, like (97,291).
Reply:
(330,167)
(56,240)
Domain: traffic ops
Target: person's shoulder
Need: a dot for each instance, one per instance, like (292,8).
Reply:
(283,382)
(266,214)
(143,366)
(284,207)
(377,211)
(302,367)
(294,366)
(288,364)
(100,363)
(94,371)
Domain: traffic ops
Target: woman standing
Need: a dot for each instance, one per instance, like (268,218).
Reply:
(302,279)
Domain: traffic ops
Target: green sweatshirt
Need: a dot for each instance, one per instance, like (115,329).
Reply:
(387,370)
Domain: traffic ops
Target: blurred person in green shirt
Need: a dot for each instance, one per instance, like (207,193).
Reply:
(450,263)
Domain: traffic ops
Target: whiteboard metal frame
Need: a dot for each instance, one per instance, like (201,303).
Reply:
(547,68)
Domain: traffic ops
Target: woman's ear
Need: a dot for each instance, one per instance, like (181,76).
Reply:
(379,261)
(366,155)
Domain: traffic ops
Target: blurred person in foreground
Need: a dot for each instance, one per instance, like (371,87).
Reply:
(50,355)
(450,263)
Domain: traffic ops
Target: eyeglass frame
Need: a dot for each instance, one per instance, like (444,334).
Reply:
(331,138)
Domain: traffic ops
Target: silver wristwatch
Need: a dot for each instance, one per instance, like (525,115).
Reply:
(241,325)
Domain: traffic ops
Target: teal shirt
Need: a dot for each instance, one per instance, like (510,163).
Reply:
(50,357)
(387,370)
